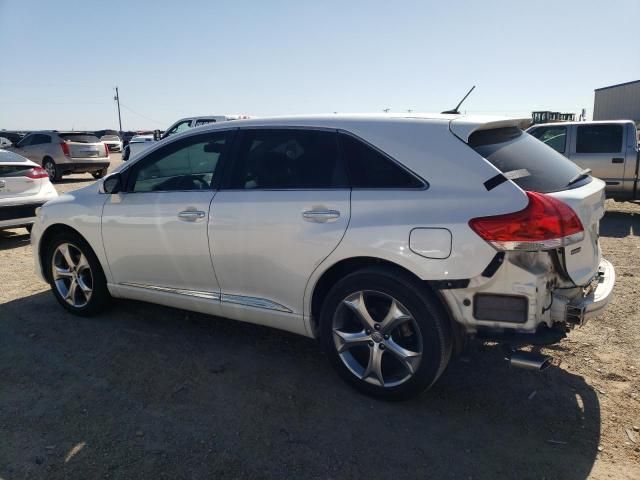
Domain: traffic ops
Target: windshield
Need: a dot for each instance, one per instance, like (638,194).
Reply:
(527,161)
(79,138)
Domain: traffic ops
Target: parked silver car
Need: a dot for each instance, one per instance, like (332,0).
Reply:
(609,149)
(61,153)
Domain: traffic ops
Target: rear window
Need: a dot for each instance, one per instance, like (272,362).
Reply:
(531,164)
(14,170)
(6,156)
(79,138)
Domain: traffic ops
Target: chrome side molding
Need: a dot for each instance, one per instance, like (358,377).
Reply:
(254,302)
(177,291)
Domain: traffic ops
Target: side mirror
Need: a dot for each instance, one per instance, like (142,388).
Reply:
(112,184)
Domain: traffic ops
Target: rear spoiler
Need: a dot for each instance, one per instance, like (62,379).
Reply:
(462,127)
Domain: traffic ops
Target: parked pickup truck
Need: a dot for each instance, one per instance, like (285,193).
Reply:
(608,148)
(142,142)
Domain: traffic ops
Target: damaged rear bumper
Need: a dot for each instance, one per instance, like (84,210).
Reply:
(591,304)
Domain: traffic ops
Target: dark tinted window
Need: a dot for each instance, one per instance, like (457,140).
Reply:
(204,121)
(555,137)
(599,139)
(287,158)
(189,164)
(26,141)
(14,170)
(529,163)
(368,168)
(79,138)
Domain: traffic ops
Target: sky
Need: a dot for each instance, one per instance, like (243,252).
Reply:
(61,59)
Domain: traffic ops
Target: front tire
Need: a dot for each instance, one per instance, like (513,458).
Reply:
(386,334)
(75,275)
(55,175)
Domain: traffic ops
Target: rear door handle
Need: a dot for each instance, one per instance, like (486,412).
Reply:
(617,160)
(191,215)
(321,216)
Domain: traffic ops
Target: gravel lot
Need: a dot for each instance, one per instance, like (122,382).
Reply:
(143,391)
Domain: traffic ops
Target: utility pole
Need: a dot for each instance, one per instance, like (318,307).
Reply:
(117,99)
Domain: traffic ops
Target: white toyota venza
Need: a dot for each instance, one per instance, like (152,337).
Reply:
(392,239)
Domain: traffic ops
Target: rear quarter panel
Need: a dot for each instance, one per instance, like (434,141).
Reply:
(381,220)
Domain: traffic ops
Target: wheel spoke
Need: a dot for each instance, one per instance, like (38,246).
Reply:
(71,293)
(394,317)
(86,290)
(59,272)
(64,251)
(82,263)
(356,303)
(373,372)
(408,358)
(346,340)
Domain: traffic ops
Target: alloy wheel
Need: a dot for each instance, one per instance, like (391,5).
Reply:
(51,169)
(377,338)
(72,275)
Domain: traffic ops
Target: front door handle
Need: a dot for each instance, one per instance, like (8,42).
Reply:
(321,216)
(617,160)
(191,215)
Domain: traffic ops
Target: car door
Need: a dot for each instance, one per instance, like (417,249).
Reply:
(283,207)
(600,147)
(155,231)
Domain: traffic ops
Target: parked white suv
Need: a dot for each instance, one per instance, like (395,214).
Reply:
(390,238)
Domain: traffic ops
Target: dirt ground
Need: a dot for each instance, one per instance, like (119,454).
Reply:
(143,391)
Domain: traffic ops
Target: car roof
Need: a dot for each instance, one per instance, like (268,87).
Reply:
(460,125)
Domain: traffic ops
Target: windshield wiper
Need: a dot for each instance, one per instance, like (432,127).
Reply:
(579,176)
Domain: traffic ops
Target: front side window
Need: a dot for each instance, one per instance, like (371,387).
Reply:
(555,137)
(369,168)
(189,164)
(599,139)
(179,128)
(287,159)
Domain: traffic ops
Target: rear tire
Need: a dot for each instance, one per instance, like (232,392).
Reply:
(75,274)
(99,173)
(55,174)
(397,345)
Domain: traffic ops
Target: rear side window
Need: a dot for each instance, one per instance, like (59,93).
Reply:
(555,137)
(369,168)
(204,121)
(287,159)
(39,139)
(531,164)
(599,139)
(79,138)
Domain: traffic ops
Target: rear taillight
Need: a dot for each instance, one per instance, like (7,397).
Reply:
(37,172)
(106,150)
(545,224)
(65,149)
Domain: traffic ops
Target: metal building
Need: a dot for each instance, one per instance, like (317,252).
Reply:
(618,102)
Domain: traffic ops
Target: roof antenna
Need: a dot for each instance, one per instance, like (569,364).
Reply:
(455,110)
